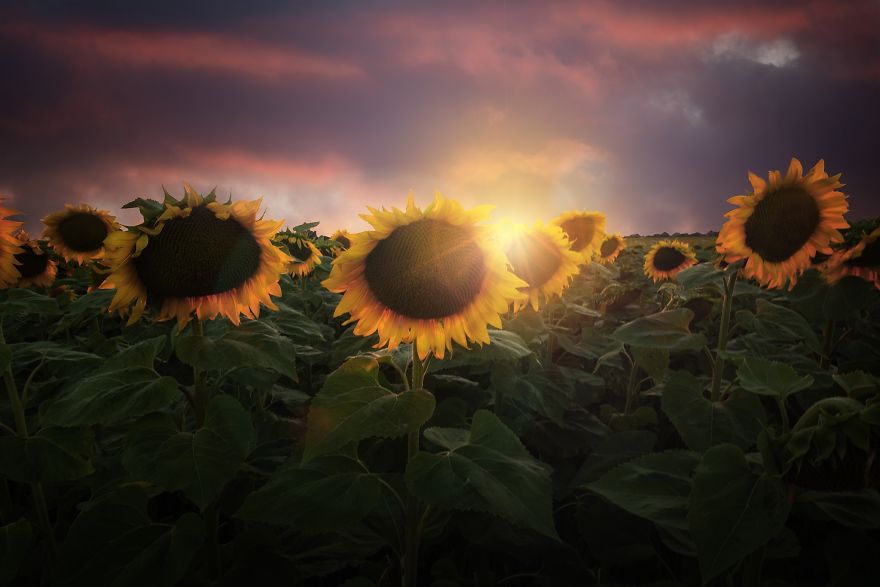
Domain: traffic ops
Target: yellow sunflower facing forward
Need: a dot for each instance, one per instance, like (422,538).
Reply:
(343,237)
(430,276)
(305,254)
(77,233)
(668,258)
(585,231)
(10,246)
(610,249)
(783,223)
(34,264)
(539,255)
(196,256)
(861,260)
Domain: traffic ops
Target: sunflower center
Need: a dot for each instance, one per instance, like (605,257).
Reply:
(300,250)
(83,232)
(608,247)
(198,255)
(343,240)
(580,232)
(534,259)
(668,258)
(870,256)
(782,223)
(32,264)
(427,269)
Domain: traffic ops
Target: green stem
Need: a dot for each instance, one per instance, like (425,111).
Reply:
(783,413)
(212,542)
(6,507)
(200,396)
(631,388)
(412,534)
(828,341)
(718,369)
(752,569)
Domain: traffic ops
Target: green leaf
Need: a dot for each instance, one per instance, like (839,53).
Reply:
(770,378)
(669,330)
(504,346)
(150,209)
(700,275)
(141,354)
(326,493)
(112,397)
(253,344)
(27,301)
(51,455)
(530,394)
(198,464)
(614,450)
(654,361)
(703,423)
(352,405)
(16,540)
(858,384)
(733,510)
(298,327)
(655,487)
(854,509)
(5,356)
(778,323)
(492,473)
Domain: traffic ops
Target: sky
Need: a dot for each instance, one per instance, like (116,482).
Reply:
(652,112)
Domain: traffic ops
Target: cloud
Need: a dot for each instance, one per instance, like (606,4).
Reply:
(778,53)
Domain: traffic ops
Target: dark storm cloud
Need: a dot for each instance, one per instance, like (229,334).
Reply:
(651,112)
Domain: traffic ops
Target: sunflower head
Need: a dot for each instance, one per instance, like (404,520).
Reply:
(195,255)
(783,223)
(540,256)
(33,263)
(610,249)
(77,233)
(585,231)
(429,276)
(861,260)
(343,237)
(10,246)
(305,256)
(668,258)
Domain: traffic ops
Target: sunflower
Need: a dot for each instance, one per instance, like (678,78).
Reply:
(10,246)
(77,233)
(861,260)
(539,255)
(430,276)
(783,223)
(197,255)
(306,255)
(610,249)
(343,237)
(585,231)
(34,265)
(667,258)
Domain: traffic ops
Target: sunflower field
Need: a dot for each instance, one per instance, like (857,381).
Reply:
(216,397)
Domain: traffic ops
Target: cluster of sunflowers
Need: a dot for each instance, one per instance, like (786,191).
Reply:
(433,276)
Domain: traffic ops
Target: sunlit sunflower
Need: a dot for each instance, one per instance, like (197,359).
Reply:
(431,276)
(198,256)
(77,233)
(668,258)
(343,237)
(34,264)
(10,246)
(585,231)
(861,260)
(306,255)
(783,223)
(539,255)
(610,249)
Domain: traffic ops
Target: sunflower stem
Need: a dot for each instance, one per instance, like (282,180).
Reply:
(412,534)
(22,429)
(723,333)
(828,339)
(200,397)
(632,387)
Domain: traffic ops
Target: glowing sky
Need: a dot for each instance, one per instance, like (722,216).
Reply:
(650,111)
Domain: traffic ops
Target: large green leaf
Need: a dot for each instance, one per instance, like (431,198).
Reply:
(775,322)
(112,397)
(770,378)
(703,423)
(855,509)
(198,464)
(700,275)
(614,450)
(655,486)
(503,346)
(27,301)
(733,509)
(51,455)
(324,494)
(253,344)
(352,406)
(492,472)
(523,396)
(669,330)
(16,540)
